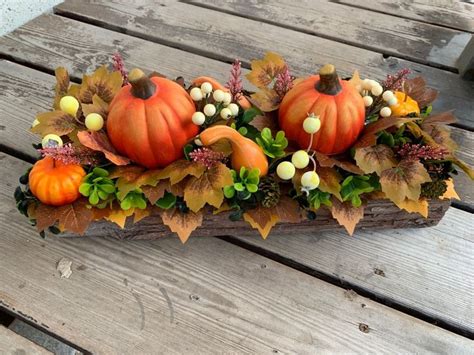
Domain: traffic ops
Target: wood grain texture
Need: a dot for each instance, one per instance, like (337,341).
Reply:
(207,296)
(450,13)
(391,35)
(26,92)
(225,37)
(13,344)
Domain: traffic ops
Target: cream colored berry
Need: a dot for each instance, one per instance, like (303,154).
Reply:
(366,84)
(234,108)
(310,180)
(393,101)
(69,104)
(94,122)
(387,95)
(51,140)
(209,110)
(206,88)
(227,98)
(196,94)
(368,100)
(218,95)
(285,170)
(312,124)
(198,118)
(385,112)
(226,113)
(376,90)
(300,159)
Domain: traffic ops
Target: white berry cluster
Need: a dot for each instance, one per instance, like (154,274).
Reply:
(219,106)
(370,89)
(300,160)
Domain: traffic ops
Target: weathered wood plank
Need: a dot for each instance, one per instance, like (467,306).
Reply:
(226,37)
(390,35)
(465,62)
(457,14)
(206,296)
(14,344)
(25,92)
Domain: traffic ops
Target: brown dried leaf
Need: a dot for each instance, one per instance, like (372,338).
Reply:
(266,99)
(288,210)
(404,181)
(347,215)
(375,159)
(450,192)
(369,134)
(440,135)
(97,106)
(74,217)
(183,224)
(329,181)
(55,122)
(265,70)
(222,146)
(62,85)
(268,120)
(356,81)
(119,216)
(263,219)
(180,169)
(329,162)
(154,193)
(139,214)
(208,187)
(132,177)
(420,206)
(417,90)
(440,118)
(103,83)
(100,142)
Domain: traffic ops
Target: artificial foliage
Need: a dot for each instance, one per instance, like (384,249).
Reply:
(122,146)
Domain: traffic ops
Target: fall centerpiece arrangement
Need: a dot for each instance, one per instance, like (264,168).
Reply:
(125,145)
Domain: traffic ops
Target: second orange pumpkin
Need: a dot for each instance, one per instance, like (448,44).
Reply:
(149,120)
(337,103)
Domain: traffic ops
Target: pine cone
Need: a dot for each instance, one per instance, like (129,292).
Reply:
(433,189)
(270,191)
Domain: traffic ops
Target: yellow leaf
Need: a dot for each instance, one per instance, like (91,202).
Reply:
(375,158)
(263,219)
(450,192)
(265,70)
(356,81)
(97,106)
(103,83)
(119,216)
(404,181)
(62,85)
(183,224)
(346,215)
(55,122)
(420,206)
(180,169)
(207,188)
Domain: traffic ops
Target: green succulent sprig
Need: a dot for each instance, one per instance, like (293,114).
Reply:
(134,199)
(272,147)
(167,201)
(245,184)
(316,198)
(355,185)
(98,187)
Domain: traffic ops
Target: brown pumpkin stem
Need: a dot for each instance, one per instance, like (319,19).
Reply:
(328,81)
(142,86)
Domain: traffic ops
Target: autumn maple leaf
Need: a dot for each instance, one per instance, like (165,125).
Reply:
(183,224)
(375,158)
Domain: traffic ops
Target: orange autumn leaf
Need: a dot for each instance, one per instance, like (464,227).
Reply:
(346,215)
(74,217)
(263,219)
(329,181)
(100,142)
(132,177)
(266,99)
(180,169)
(208,187)
(55,122)
(375,158)
(329,162)
(404,181)
(183,224)
(102,83)
(420,206)
(139,214)
(154,193)
(450,191)
(265,70)
(119,216)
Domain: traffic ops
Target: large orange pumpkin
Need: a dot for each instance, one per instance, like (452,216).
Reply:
(337,103)
(242,101)
(55,183)
(149,120)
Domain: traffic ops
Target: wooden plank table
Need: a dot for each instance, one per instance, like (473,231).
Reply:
(403,291)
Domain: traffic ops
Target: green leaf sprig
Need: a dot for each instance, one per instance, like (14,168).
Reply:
(245,184)
(272,147)
(98,187)
(316,198)
(355,185)
(134,199)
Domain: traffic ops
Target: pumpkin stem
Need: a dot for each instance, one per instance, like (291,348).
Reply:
(142,86)
(328,81)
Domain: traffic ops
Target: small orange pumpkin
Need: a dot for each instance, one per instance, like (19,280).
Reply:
(242,101)
(245,152)
(338,104)
(55,183)
(149,120)
(405,105)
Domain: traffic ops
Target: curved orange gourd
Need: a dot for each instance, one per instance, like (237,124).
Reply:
(405,105)
(149,120)
(337,103)
(242,101)
(245,152)
(55,183)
